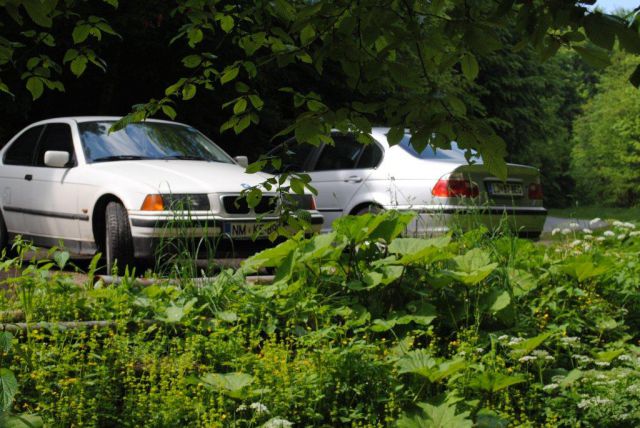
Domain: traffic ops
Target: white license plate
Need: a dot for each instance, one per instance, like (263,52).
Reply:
(248,230)
(506,189)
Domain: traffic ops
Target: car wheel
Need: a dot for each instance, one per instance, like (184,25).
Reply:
(118,243)
(369,209)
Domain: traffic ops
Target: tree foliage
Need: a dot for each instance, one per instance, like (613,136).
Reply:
(606,154)
(336,64)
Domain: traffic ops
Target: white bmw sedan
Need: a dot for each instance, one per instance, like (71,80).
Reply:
(441,186)
(70,180)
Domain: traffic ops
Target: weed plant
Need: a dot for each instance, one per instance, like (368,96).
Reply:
(361,327)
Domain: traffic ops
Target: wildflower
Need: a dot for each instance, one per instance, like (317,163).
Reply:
(566,231)
(600,238)
(624,357)
(593,401)
(242,408)
(574,226)
(503,338)
(527,358)
(622,237)
(602,364)
(587,231)
(608,233)
(550,387)
(628,225)
(595,221)
(569,340)
(575,243)
(479,350)
(588,237)
(277,423)
(586,247)
(617,223)
(259,407)
(634,233)
(515,341)
(582,358)
(555,231)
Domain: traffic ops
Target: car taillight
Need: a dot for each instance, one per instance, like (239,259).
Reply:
(153,203)
(313,203)
(535,191)
(455,185)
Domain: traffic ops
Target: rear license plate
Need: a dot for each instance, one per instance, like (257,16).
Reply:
(505,189)
(248,230)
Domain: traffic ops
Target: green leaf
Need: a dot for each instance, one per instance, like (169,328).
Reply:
(174,88)
(395,135)
(521,281)
(22,420)
(192,61)
(420,362)
(8,388)
(240,106)
(70,55)
(39,11)
(497,300)
(600,30)
(494,382)
(227,23)
(472,267)
(231,384)
(6,341)
(442,416)
(470,67)
(256,101)
(595,57)
(80,33)
(188,91)
(61,258)
(35,86)
(229,75)
(169,111)
(79,65)
(526,346)
(307,34)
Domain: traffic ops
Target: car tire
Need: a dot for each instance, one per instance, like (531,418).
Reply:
(118,243)
(369,209)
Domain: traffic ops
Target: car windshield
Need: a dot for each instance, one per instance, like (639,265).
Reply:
(147,140)
(455,154)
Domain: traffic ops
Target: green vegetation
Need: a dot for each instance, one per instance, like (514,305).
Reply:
(359,328)
(591,212)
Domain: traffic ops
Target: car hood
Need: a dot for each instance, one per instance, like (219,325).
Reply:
(183,176)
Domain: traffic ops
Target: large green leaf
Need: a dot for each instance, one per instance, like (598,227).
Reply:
(8,388)
(420,362)
(493,381)
(523,348)
(442,416)
(472,267)
(424,251)
(22,420)
(231,384)
(6,339)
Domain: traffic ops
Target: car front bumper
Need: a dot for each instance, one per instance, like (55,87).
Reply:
(218,236)
(436,220)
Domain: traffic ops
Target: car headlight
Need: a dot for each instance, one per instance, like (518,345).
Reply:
(176,202)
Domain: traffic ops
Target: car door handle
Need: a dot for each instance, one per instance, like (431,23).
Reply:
(353,179)
(28,177)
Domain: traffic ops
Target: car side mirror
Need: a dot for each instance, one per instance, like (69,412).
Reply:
(56,158)
(243,161)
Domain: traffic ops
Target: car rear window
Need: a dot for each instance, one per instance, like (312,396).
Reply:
(454,154)
(147,140)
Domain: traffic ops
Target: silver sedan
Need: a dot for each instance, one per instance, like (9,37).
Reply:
(441,186)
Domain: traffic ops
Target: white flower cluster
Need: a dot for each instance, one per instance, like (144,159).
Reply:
(625,225)
(277,423)
(569,340)
(550,387)
(257,407)
(593,401)
(602,364)
(582,358)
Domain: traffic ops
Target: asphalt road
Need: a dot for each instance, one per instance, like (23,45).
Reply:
(559,222)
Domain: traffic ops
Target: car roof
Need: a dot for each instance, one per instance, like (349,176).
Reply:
(82,119)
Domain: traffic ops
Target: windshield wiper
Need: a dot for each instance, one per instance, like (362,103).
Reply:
(120,157)
(184,157)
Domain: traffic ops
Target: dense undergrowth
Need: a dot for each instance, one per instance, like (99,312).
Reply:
(360,327)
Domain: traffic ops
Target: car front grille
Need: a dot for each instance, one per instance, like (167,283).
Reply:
(236,204)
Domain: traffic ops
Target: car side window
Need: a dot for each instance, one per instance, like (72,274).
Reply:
(294,157)
(57,136)
(343,155)
(22,149)
(371,156)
